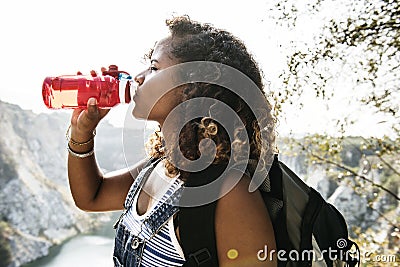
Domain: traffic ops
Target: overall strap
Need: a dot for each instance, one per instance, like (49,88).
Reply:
(160,215)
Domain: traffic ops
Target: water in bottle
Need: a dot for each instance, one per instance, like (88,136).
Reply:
(73,91)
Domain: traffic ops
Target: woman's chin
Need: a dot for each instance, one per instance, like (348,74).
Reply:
(139,114)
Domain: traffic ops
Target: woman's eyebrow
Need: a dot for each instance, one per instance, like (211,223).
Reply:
(154,60)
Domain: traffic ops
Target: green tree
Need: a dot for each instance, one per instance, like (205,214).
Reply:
(361,42)
(357,43)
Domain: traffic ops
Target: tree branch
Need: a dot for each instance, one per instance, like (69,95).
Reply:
(355,174)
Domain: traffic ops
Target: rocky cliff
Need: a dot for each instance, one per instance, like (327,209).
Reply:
(36,207)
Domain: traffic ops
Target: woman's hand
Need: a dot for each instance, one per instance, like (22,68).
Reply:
(85,121)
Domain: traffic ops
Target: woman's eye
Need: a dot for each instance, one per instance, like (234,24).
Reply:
(153,68)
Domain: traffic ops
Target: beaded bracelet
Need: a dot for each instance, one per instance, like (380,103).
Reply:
(80,155)
(72,141)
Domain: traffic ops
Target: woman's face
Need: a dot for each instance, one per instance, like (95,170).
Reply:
(153,99)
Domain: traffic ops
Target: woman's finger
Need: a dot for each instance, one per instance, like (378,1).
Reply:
(89,118)
(75,115)
(92,110)
(86,120)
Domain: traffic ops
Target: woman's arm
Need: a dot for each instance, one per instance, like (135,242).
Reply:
(243,228)
(91,190)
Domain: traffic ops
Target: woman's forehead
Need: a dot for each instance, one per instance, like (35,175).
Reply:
(163,45)
(162,51)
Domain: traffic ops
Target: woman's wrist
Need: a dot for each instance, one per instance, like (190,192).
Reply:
(81,155)
(78,141)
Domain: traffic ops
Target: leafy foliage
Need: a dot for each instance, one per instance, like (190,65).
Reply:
(356,50)
(362,47)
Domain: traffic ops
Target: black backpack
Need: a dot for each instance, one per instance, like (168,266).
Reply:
(309,230)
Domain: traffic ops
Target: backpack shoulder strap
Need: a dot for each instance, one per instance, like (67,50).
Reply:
(196,224)
(198,235)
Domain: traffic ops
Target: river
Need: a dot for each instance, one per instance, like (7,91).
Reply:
(83,250)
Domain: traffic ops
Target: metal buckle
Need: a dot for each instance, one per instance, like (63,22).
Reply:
(201,256)
(135,243)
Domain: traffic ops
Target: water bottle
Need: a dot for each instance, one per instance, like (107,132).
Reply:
(73,91)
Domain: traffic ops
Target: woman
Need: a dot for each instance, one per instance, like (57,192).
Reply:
(178,102)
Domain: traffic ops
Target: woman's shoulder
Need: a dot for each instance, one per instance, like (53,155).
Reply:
(242,223)
(238,195)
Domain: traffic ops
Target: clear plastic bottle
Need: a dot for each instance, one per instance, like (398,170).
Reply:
(73,91)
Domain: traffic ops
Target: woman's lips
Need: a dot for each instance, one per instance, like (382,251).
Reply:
(134,89)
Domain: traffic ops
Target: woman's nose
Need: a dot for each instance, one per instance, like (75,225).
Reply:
(139,78)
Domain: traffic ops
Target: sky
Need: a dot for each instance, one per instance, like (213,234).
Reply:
(51,38)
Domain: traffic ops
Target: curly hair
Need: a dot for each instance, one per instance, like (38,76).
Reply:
(193,41)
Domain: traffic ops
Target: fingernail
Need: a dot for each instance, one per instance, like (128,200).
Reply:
(92,101)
